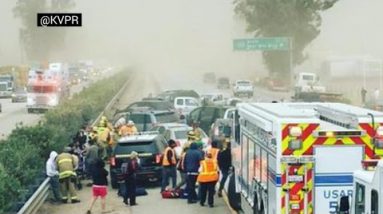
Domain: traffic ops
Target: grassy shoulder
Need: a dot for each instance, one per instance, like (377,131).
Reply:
(24,152)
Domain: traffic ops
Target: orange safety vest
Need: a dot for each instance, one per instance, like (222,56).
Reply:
(214,153)
(165,161)
(127,130)
(209,171)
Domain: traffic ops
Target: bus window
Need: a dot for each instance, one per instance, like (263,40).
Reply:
(251,167)
(236,127)
(257,168)
(264,167)
(244,163)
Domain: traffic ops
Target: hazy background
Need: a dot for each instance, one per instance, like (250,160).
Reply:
(192,35)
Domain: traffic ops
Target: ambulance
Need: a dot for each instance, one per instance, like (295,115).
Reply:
(300,158)
(368,189)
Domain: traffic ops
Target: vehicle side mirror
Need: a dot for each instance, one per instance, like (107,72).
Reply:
(344,204)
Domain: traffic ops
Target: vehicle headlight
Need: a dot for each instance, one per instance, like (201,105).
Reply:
(53,101)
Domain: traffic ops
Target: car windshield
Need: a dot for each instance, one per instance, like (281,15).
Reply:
(140,118)
(182,134)
(42,88)
(3,87)
(152,104)
(244,83)
(167,117)
(308,77)
(223,81)
(139,147)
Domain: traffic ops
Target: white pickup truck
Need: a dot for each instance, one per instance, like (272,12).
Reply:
(243,87)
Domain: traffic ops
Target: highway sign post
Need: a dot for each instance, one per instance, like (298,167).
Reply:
(262,44)
(266,44)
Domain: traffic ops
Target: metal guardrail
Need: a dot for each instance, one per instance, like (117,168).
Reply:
(38,198)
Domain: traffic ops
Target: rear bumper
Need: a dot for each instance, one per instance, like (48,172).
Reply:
(149,174)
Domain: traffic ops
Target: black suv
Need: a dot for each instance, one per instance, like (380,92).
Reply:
(149,146)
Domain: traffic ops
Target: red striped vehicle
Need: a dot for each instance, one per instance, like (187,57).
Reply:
(299,158)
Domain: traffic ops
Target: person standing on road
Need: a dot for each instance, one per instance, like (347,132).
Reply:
(169,163)
(214,149)
(66,166)
(207,178)
(197,130)
(127,129)
(91,155)
(224,163)
(104,138)
(181,169)
(376,95)
(191,165)
(100,184)
(53,174)
(128,170)
(363,93)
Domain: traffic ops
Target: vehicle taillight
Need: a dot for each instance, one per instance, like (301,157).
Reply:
(158,158)
(113,161)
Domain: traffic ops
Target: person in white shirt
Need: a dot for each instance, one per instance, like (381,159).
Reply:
(376,94)
(53,174)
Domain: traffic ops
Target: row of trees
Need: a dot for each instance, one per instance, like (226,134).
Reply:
(40,42)
(24,152)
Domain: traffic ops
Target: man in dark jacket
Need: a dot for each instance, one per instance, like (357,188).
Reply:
(191,165)
(224,163)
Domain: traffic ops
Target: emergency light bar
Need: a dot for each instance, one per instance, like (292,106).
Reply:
(339,134)
(289,159)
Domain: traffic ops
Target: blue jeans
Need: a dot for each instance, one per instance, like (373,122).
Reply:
(55,186)
(168,172)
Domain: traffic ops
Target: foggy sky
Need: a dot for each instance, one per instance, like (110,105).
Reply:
(184,35)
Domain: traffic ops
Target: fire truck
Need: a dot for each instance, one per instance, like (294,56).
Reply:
(300,158)
(43,90)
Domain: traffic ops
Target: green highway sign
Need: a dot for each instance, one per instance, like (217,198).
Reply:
(262,44)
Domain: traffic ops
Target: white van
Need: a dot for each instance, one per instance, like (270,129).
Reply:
(184,105)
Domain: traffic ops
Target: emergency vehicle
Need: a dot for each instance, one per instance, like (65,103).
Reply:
(368,189)
(43,90)
(299,158)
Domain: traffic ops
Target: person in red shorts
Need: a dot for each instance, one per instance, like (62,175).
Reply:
(100,184)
